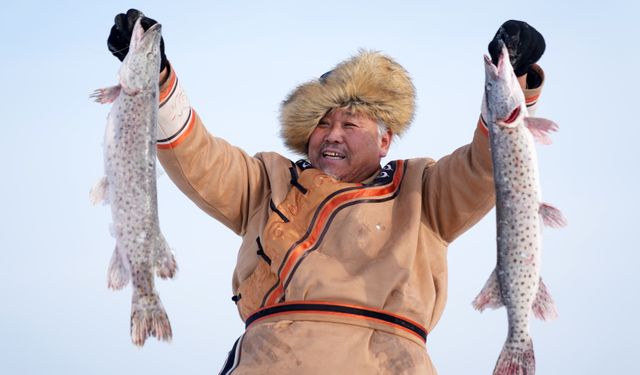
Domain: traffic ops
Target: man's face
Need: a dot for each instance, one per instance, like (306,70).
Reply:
(347,146)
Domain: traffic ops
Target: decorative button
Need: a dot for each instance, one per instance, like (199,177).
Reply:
(319,180)
(277,231)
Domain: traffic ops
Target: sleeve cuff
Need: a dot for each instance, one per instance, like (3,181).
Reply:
(482,126)
(176,118)
(535,82)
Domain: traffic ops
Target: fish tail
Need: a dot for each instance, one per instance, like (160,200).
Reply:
(516,360)
(148,318)
(166,266)
(118,275)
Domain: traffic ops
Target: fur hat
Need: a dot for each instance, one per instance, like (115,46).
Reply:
(368,83)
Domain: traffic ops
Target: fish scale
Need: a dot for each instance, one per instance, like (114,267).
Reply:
(130,185)
(515,283)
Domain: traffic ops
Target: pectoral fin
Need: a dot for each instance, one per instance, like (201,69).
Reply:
(106,95)
(540,129)
(551,216)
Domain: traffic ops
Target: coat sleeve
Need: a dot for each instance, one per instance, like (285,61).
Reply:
(221,179)
(458,189)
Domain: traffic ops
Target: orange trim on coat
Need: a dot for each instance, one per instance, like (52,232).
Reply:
(185,133)
(336,313)
(483,127)
(168,89)
(323,217)
(532,99)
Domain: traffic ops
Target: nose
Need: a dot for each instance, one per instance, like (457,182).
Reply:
(334,134)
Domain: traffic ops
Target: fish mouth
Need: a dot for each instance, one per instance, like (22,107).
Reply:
(509,120)
(153,27)
(488,61)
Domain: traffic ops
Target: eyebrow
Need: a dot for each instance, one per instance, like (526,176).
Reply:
(348,113)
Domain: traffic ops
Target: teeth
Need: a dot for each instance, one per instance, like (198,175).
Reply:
(329,154)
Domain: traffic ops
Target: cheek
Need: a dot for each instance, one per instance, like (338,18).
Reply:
(369,147)
(315,139)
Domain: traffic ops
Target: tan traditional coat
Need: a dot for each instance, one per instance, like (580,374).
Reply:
(346,278)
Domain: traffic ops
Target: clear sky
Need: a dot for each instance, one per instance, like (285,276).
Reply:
(237,60)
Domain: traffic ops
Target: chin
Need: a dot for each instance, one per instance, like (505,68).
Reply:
(330,173)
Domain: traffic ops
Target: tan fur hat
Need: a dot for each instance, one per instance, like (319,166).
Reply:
(368,83)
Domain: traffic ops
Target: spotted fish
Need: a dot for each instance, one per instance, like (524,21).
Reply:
(130,184)
(515,283)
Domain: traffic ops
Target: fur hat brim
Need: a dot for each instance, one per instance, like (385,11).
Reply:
(368,83)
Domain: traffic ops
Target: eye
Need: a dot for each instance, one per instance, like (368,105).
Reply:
(323,124)
(350,125)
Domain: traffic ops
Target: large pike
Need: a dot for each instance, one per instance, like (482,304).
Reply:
(130,184)
(516,282)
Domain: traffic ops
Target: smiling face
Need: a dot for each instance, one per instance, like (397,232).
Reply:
(348,145)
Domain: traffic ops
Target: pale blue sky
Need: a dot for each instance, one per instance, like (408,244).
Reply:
(237,60)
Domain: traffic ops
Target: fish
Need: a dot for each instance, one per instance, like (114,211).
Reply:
(130,187)
(515,283)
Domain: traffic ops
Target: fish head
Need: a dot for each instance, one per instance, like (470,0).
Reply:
(141,67)
(503,103)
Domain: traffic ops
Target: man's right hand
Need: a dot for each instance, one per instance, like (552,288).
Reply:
(120,36)
(525,44)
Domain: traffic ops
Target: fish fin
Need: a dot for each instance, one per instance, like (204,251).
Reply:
(106,95)
(490,295)
(516,360)
(148,318)
(551,216)
(166,266)
(98,192)
(119,274)
(543,306)
(540,128)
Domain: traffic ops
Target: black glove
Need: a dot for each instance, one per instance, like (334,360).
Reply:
(120,36)
(525,44)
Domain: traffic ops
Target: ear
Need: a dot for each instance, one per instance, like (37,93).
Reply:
(385,143)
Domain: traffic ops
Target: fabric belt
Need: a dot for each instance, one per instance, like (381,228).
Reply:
(361,312)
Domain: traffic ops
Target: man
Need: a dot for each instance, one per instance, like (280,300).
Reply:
(342,267)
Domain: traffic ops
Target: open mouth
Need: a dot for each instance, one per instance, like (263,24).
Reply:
(333,155)
(513,116)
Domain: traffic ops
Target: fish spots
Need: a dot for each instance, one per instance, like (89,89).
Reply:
(129,157)
(516,183)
